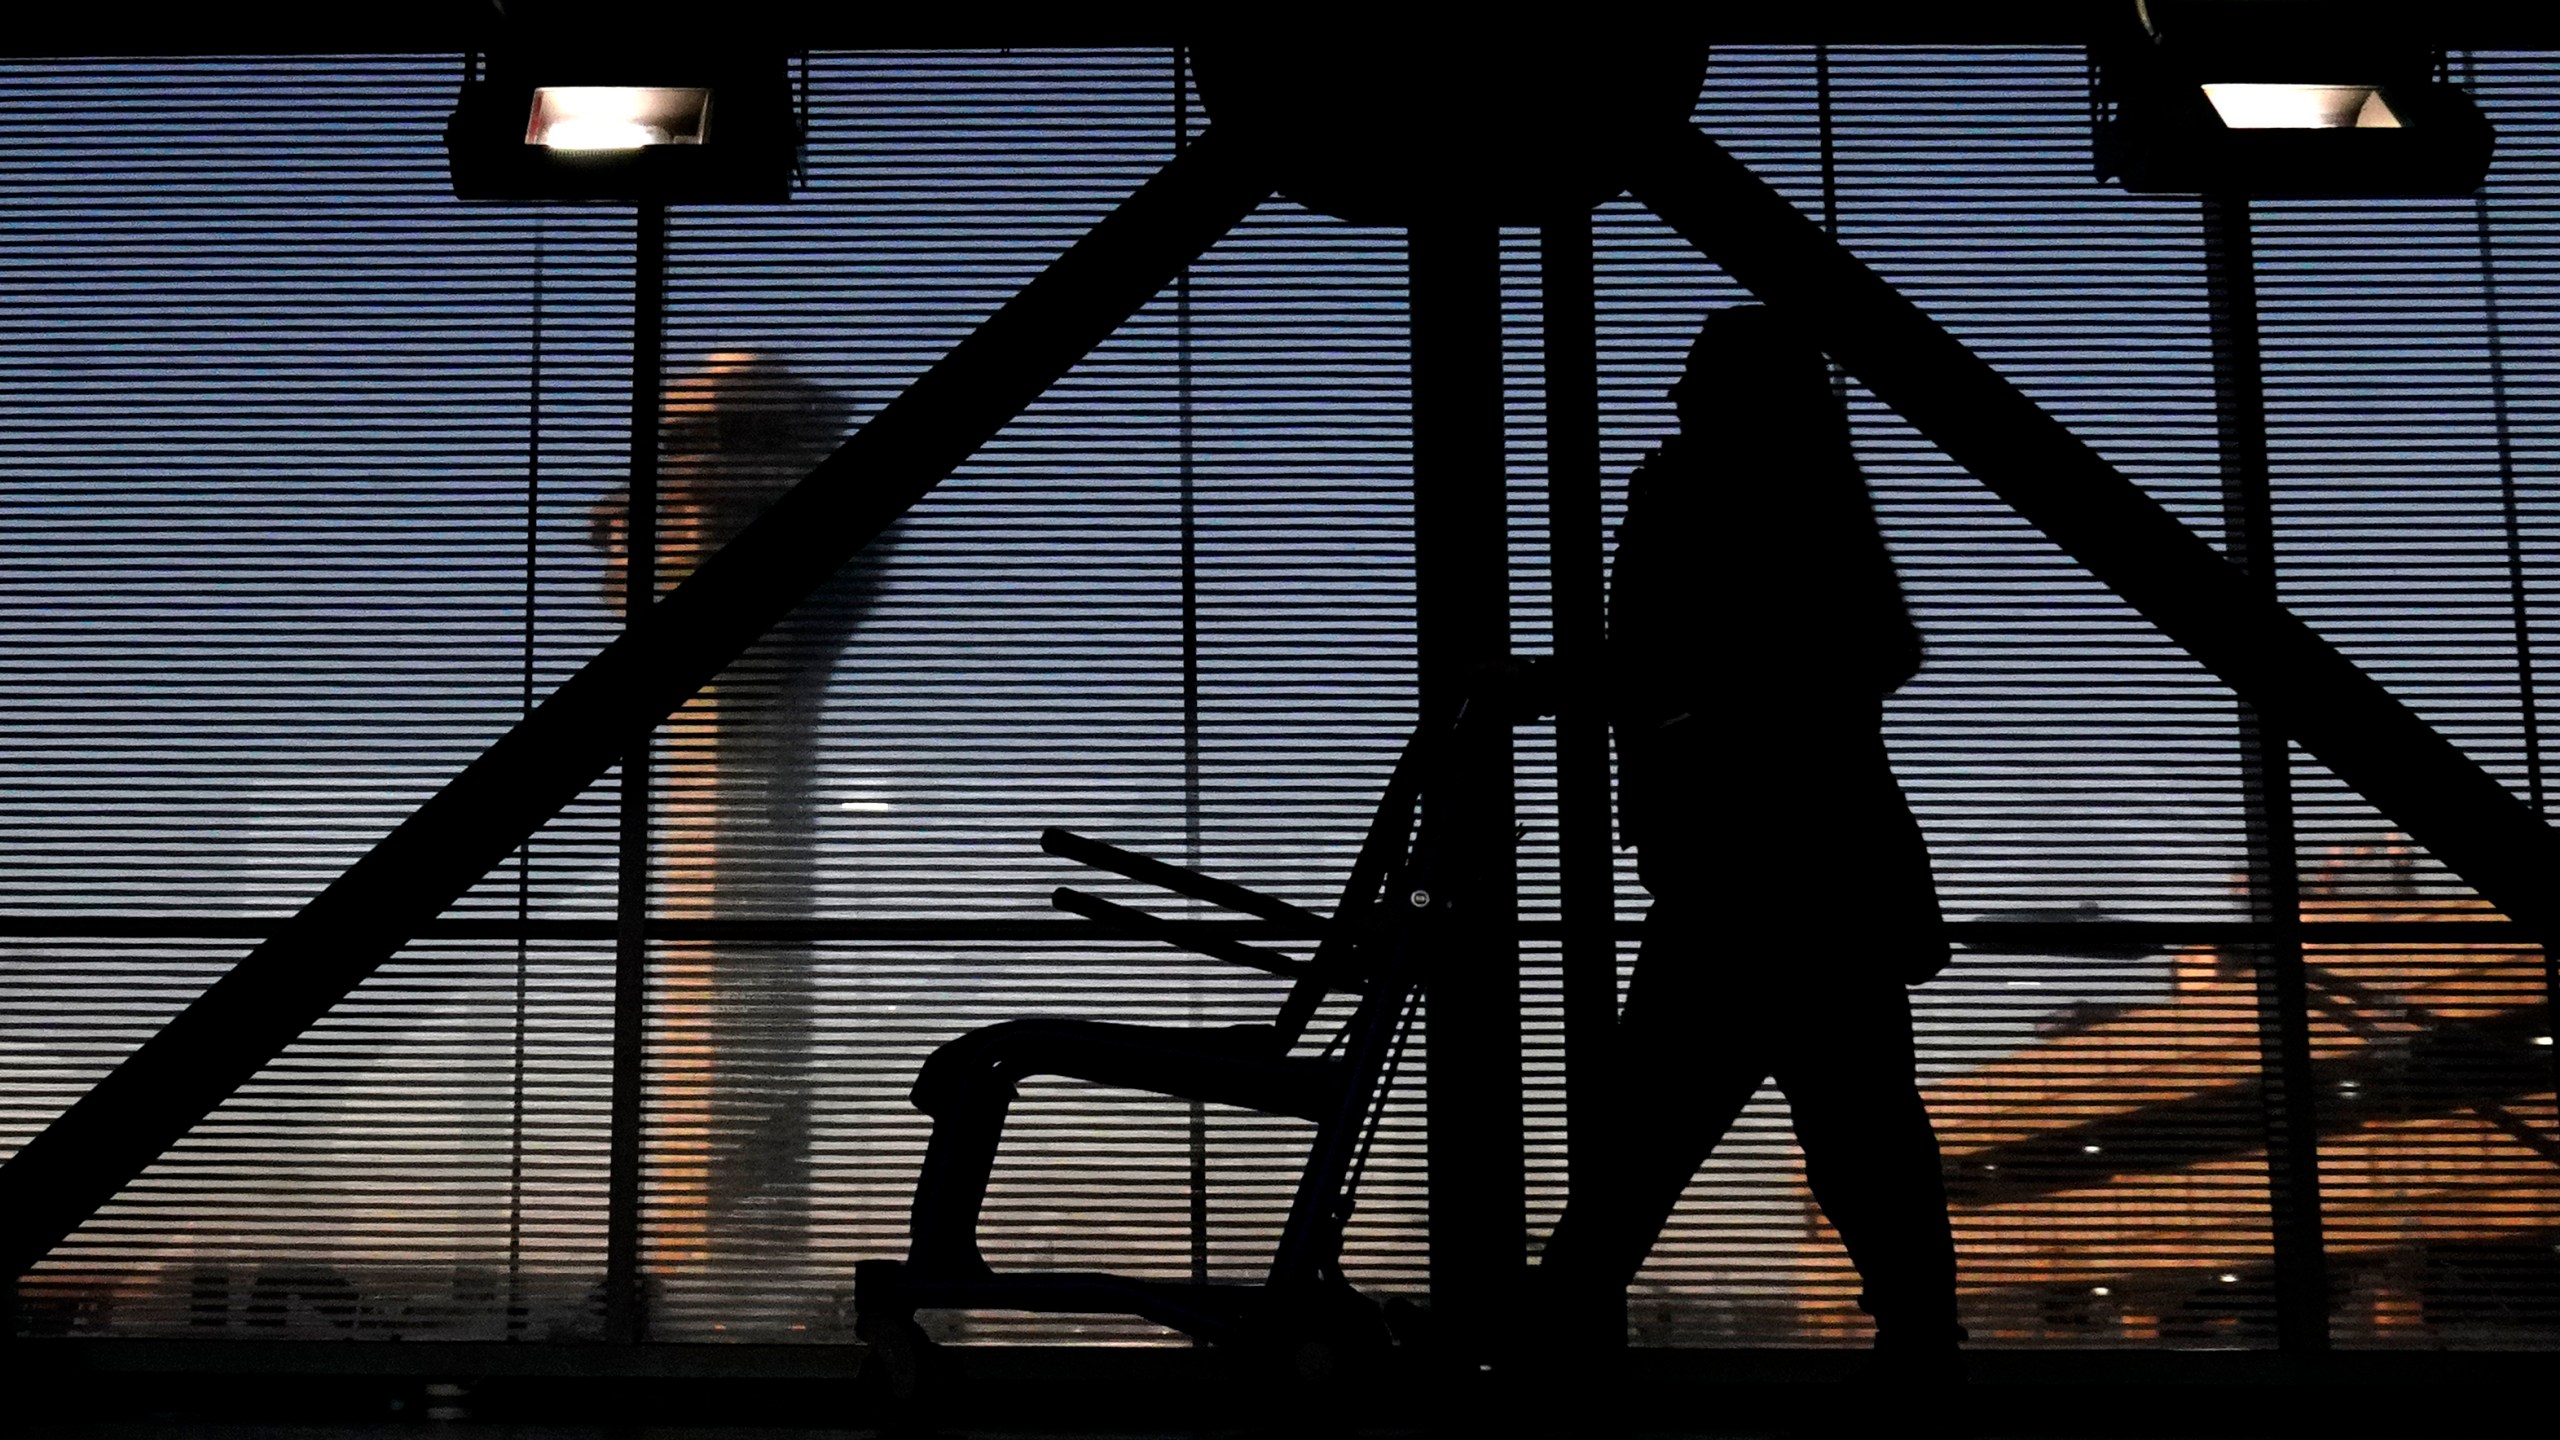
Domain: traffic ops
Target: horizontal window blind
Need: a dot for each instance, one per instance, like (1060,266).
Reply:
(1170,606)
(2411,396)
(288,457)
(314,480)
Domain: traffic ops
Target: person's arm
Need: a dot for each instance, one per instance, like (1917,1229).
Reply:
(1900,651)
(1872,607)
(1652,670)
(1639,685)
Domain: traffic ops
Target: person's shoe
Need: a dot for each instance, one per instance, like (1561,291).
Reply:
(1918,1386)
(1916,1367)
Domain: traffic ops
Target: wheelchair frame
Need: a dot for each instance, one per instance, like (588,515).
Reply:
(1372,946)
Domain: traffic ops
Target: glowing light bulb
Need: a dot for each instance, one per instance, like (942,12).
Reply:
(2301,107)
(601,135)
(616,117)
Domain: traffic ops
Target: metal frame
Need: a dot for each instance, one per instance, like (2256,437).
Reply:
(1462,621)
(2218,611)
(1396,929)
(1586,816)
(111,1134)
(2291,1105)
(625,1299)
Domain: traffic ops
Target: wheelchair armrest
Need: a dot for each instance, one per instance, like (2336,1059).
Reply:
(1176,878)
(1139,925)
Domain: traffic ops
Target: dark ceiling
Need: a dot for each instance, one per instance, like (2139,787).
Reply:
(455,25)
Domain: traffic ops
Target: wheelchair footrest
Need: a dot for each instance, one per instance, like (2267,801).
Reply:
(888,1293)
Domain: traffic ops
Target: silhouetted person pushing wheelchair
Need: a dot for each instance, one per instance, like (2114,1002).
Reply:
(1755,628)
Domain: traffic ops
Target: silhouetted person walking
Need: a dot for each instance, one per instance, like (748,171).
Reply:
(1755,629)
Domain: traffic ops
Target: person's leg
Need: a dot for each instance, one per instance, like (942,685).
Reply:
(1850,1076)
(1687,1061)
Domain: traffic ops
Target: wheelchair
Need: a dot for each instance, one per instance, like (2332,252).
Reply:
(1372,946)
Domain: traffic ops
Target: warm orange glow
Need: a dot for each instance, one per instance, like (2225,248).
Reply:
(2391,1184)
(734,434)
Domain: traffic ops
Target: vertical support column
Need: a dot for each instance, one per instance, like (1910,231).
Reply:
(2266,778)
(1586,868)
(625,1315)
(516,1316)
(1187,451)
(1462,606)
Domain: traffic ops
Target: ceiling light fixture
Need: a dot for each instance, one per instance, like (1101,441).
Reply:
(547,120)
(2246,99)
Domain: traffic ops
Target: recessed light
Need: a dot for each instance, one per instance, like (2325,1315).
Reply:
(2302,107)
(616,117)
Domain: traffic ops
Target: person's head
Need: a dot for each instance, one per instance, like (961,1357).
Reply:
(1749,366)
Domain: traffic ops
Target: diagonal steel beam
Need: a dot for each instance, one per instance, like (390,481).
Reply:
(248,1016)
(2299,683)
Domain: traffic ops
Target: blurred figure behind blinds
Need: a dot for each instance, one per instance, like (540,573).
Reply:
(737,833)
(1755,628)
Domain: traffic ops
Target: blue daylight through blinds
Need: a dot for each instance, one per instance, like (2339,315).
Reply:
(310,479)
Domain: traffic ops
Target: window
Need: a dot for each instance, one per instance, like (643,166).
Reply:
(311,479)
